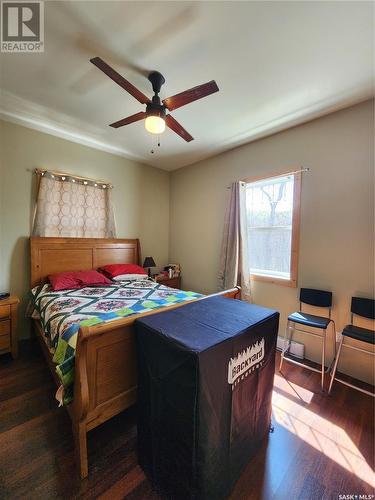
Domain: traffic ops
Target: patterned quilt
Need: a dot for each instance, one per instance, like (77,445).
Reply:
(62,313)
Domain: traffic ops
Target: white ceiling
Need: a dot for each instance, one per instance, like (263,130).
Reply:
(276,64)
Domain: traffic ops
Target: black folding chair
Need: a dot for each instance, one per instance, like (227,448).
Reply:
(316,298)
(366,309)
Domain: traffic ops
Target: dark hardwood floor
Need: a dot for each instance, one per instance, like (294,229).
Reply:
(321,447)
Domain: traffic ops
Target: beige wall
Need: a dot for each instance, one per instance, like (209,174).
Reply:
(141,198)
(336,240)
(336,249)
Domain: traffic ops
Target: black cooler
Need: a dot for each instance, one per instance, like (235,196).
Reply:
(205,378)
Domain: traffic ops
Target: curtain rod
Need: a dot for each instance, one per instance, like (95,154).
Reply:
(300,171)
(66,174)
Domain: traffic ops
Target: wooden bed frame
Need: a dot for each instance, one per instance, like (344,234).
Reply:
(105,381)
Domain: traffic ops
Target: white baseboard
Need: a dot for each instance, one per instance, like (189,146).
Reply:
(295,348)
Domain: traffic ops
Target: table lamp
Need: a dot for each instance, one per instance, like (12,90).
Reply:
(149,262)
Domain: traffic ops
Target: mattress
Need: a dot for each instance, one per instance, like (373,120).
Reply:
(61,314)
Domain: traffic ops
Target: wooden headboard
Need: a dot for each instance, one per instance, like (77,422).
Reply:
(54,255)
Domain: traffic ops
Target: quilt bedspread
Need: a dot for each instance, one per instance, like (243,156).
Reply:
(62,313)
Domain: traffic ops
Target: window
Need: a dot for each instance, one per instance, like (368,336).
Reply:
(73,207)
(272,208)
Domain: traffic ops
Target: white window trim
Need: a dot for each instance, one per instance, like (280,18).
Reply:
(296,219)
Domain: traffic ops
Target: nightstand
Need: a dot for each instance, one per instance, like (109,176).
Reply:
(8,324)
(171,282)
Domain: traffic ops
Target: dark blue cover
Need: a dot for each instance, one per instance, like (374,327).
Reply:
(203,324)
(205,378)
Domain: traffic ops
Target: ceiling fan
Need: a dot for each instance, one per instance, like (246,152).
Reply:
(155,115)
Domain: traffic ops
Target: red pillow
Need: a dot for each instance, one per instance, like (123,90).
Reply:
(113,270)
(77,279)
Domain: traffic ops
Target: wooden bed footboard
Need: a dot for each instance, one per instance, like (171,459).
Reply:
(106,375)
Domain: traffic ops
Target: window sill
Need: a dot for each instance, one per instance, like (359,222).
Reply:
(292,283)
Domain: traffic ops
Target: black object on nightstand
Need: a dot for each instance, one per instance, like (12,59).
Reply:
(149,262)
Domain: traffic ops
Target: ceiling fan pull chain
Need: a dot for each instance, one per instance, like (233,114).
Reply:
(154,140)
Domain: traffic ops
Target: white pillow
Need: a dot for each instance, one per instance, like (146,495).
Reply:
(130,277)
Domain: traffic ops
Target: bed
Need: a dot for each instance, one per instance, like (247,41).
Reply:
(105,372)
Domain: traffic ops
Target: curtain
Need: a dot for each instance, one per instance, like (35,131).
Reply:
(72,207)
(234,264)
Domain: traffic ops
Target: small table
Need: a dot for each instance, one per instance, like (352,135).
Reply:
(171,282)
(8,324)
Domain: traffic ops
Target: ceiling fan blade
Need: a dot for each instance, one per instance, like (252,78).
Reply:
(179,129)
(178,100)
(130,119)
(120,80)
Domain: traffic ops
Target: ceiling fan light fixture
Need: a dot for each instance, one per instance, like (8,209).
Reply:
(155,115)
(155,124)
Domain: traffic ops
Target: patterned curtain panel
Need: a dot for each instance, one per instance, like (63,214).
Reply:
(234,261)
(71,207)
